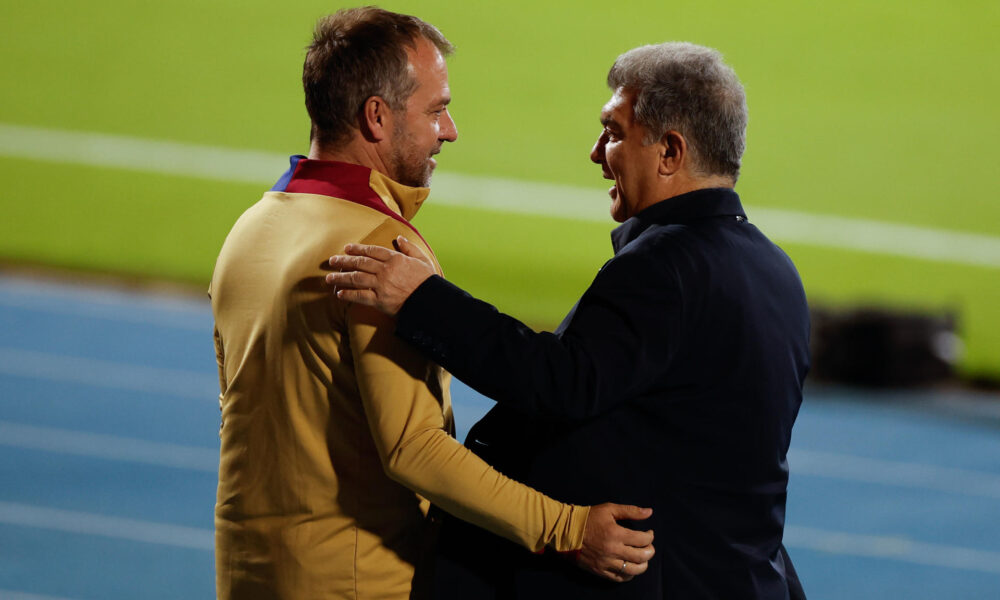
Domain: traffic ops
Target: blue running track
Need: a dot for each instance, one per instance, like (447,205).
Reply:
(109,449)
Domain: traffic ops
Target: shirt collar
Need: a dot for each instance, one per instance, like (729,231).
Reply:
(351,182)
(691,206)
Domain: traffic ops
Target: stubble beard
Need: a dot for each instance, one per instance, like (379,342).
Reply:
(409,165)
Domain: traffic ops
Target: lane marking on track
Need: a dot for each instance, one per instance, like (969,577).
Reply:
(108,374)
(499,194)
(895,473)
(69,521)
(94,302)
(110,447)
(892,548)
(804,463)
(15,595)
(833,542)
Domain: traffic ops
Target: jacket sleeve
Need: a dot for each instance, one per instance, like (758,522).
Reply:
(221,363)
(623,332)
(403,399)
(403,402)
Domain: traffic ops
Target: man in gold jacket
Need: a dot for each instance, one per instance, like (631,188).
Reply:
(335,436)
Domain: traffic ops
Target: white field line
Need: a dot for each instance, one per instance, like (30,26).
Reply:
(543,199)
(110,447)
(108,374)
(68,521)
(895,473)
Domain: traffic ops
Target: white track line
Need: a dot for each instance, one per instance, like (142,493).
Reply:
(893,548)
(26,515)
(111,447)
(108,374)
(887,472)
(834,542)
(13,595)
(962,482)
(544,199)
(106,303)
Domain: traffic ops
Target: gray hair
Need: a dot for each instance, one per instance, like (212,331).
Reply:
(687,88)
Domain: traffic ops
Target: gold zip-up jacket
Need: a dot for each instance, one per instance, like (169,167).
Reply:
(335,434)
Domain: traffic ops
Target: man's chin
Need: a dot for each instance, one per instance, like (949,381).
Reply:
(414,178)
(428,173)
(618,212)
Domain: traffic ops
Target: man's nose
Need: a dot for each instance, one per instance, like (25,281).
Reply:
(449,131)
(597,152)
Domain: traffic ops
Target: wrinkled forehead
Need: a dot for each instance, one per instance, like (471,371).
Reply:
(619,108)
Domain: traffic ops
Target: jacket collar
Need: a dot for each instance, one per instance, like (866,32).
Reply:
(699,204)
(352,182)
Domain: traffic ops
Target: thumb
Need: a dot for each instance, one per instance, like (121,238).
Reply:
(632,513)
(410,249)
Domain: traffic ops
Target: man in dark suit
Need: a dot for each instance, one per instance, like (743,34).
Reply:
(674,381)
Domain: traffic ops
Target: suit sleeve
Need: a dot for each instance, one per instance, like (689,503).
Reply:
(402,399)
(623,331)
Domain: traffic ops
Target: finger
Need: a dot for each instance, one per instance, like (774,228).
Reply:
(352,280)
(376,252)
(622,571)
(637,555)
(630,537)
(634,569)
(355,263)
(366,297)
(410,249)
(632,513)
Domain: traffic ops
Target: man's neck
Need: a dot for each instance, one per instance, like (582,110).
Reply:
(354,152)
(676,186)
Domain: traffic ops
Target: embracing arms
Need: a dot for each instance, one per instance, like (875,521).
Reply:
(620,336)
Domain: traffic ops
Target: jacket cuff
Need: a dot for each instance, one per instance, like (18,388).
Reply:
(570,543)
(577,526)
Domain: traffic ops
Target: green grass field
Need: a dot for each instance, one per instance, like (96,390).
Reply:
(876,111)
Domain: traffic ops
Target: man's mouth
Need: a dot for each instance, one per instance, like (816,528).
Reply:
(613,191)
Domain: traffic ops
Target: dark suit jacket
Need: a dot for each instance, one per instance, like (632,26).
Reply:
(673,383)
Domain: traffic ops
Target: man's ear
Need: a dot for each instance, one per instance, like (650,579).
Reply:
(375,119)
(674,152)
